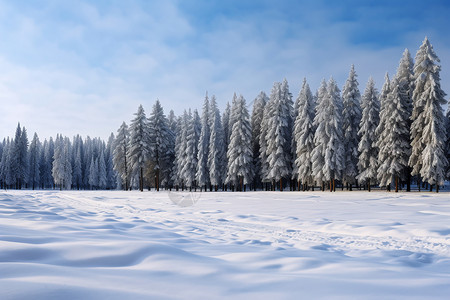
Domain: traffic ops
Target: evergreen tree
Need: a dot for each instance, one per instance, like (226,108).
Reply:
(351,117)
(367,147)
(217,153)
(279,134)
(334,149)
(427,129)
(139,146)
(304,135)
(263,142)
(34,157)
(111,178)
(120,155)
(202,175)
(93,173)
(102,179)
(160,135)
(189,163)
(240,167)
(256,124)
(320,135)
(77,175)
(394,148)
(448,142)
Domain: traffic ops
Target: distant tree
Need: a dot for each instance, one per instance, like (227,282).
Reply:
(304,136)
(427,129)
(34,162)
(240,167)
(93,173)
(111,175)
(102,176)
(367,147)
(351,117)
(62,168)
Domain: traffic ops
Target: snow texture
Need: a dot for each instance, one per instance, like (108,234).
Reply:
(259,245)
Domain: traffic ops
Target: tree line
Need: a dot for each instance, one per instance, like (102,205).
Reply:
(319,141)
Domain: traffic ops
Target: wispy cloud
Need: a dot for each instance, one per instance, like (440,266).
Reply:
(84,67)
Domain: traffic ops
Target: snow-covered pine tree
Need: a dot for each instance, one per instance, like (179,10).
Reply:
(256,122)
(111,176)
(320,136)
(120,155)
(351,117)
(20,158)
(286,98)
(278,136)
(448,142)
(216,155)
(47,163)
(226,125)
(102,176)
(139,147)
(240,166)
(6,172)
(304,136)
(77,171)
(160,135)
(428,128)
(189,163)
(93,173)
(62,168)
(405,79)
(202,174)
(367,147)
(33,163)
(334,150)
(394,148)
(180,149)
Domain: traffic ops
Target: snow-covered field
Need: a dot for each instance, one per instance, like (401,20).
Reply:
(253,245)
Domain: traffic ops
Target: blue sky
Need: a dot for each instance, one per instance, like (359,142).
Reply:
(84,66)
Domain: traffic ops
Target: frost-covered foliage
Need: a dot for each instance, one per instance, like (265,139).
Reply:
(351,117)
(62,167)
(240,156)
(33,163)
(428,134)
(367,147)
(304,135)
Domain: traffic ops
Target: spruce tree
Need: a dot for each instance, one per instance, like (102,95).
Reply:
(320,136)
(351,117)
(428,128)
(304,136)
(279,135)
(367,147)
(202,174)
(216,156)
(239,154)
(394,149)
(334,149)
(256,124)
(34,162)
(160,135)
(139,146)
(120,155)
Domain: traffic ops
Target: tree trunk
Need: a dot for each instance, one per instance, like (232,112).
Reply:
(431,187)
(281,184)
(396,183)
(437,188)
(368,185)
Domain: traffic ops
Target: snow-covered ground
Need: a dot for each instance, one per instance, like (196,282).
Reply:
(253,245)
